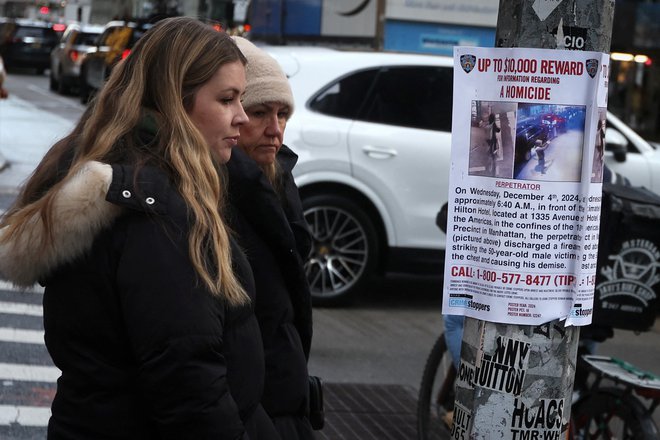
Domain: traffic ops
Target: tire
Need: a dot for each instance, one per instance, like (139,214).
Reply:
(52,83)
(63,86)
(610,413)
(436,392)
(344,249)
(86,93)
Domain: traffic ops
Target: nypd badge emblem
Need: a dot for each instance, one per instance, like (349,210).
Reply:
(468,62)
(592,67)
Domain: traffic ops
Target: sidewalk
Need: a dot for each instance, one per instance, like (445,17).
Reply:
(26,133)
(369,412)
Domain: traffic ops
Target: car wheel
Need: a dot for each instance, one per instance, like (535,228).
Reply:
(52,84)
(344,249)
(85,93)
(62,87)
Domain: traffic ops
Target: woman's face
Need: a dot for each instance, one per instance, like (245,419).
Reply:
(217,111)
(261,137)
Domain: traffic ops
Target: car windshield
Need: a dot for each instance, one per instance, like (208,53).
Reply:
(87,39)
(34,32)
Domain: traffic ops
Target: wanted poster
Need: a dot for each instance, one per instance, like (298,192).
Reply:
(525,184)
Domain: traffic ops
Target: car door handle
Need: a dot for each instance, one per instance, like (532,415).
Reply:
(378,152)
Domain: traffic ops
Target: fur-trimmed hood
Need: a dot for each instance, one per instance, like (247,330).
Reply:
(80,212)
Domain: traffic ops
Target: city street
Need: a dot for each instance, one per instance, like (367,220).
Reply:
(378,345)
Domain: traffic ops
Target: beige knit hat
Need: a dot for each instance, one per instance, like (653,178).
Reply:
(266,82)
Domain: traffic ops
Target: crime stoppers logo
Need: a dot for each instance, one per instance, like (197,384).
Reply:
(468,62)
(633,272)
(464,301)
(579,312)
(592,67)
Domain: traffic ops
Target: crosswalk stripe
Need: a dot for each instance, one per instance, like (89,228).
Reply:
(6,285)
(21,309)
(29,373)
(24,415)
(9,334)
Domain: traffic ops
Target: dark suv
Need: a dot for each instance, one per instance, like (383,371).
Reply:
(26,43)
(114,44)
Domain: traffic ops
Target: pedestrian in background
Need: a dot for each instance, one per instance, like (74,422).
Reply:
(266,213)
(154,332)
(493,148)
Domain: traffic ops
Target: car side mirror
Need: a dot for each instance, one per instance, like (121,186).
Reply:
(616,143)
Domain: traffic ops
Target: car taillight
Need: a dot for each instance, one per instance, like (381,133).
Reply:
(74,55)
(125,53)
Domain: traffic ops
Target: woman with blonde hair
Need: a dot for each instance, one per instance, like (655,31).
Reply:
(148,302)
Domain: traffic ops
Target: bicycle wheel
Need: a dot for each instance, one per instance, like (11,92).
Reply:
(609,414)
(436,392)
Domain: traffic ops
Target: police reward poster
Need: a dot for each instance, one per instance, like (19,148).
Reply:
(525,186)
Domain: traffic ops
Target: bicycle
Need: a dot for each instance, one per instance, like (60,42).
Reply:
(436,392)
(609,404)
(617,404)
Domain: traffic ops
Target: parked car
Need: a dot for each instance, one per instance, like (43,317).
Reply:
(372,131)
(25,43)
(67,56)
(113,45)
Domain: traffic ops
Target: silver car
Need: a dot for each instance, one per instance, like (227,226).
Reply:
(67,56)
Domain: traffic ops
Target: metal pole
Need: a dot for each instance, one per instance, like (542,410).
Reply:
(537,405)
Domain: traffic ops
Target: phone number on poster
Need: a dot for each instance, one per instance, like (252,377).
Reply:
(512,277)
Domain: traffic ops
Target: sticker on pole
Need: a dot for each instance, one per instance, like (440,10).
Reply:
(525,185)
(544,8)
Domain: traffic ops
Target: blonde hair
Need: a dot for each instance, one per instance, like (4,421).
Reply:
(162,74)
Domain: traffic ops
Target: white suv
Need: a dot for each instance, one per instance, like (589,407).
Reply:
(372,130)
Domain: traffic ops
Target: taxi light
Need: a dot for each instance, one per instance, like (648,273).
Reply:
(125,53)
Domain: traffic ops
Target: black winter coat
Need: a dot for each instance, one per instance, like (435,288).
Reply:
(276,240)
(145,351)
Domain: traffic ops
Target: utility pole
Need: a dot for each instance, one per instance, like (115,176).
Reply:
(546,391)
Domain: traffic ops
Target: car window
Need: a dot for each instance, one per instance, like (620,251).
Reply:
(416,97)
(35,32)
(137,34)
(345,97)
(86,38)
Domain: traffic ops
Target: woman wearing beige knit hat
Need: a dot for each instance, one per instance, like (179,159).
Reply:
(265,211)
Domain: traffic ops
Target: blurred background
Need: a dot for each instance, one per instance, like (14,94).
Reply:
(393,25)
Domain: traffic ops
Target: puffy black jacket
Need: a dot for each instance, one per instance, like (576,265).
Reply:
(146,352)
(276,239)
